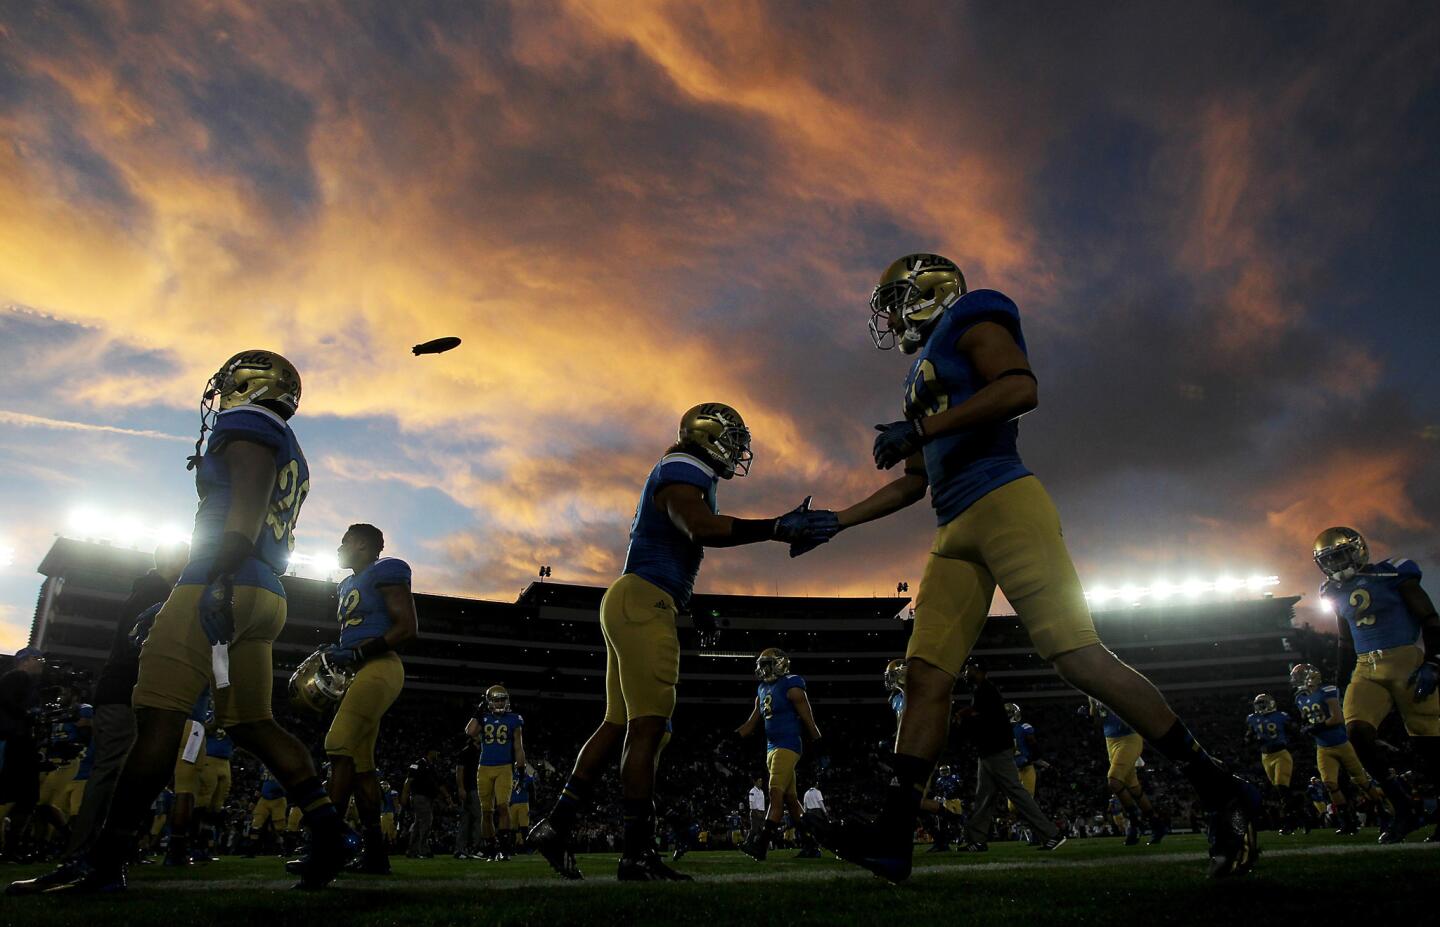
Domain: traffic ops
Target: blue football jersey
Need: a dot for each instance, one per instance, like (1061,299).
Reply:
(782,721)
(497,738)
(1111,723)
(659,552)
(1269,729)
(897,702)
(520,790)
(1370,603)
(963,465)
(270,787)
(1317,792)
(362,610)
(1313,710)
(388,797)
(212,482)
(1022,732)
(219,744)
(947,787)
(1113,807)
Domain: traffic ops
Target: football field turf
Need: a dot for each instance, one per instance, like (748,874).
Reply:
(1086,882)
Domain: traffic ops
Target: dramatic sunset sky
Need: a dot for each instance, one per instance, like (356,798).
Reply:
(1221,223)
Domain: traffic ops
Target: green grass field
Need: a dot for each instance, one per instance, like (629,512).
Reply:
(1086,882)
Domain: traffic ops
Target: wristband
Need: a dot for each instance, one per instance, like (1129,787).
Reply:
(919,424)
(750,530)
(235,549)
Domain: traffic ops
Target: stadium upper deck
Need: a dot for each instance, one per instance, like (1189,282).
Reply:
(547,643)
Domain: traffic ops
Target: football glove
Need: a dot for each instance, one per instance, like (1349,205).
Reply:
(805,528)
(895,442)
(217,610)
(1425,679)
(343,656)
(143,624)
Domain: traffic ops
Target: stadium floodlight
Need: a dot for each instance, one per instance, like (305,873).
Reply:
(727,654)
(1256,583)
(1228,584)
(86,523)
(1131,593)
(7,556)
(1161,589)
(1099,595)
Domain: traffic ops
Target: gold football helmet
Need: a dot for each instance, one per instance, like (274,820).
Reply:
(895,675)
(771,664)
(718,432)
(1264,702)
(248,377)
(1012,711)
(317,683)
(1340,553)
(917,288)
(497,699)
(1305,677)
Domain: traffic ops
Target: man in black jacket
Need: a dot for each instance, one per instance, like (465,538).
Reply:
(113,728)
(986,724)
(19,752)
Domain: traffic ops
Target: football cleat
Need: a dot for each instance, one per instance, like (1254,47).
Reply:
(1340,553)
(1401,826)
(554,846)
(1054,843)
(1234,846)
(1132,835)
(810,853)
(77,875)
(870,846)
(939,848)
(328,851)
(976,846)
(718,433)
(1158,830)
(755,846)
(648,867)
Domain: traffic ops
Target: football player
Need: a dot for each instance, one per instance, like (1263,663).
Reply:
(1320,711)
(1266,727)
(939,819)
(784,708)
(970,381)
(215,779)
(676,519)
(269,812)
(500,733)
(520,804)
(1123,747)
(217,626)
(1319,794)
(377,617)
(1390,635)
(1027,749)
(186,778)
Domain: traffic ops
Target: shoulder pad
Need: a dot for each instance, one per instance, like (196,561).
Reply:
(390,570)
(1330,691)
(983,306)
(685,468)
(248,423)
(1407,568)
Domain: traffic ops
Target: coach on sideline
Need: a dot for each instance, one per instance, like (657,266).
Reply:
(113,728)
(987,725)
